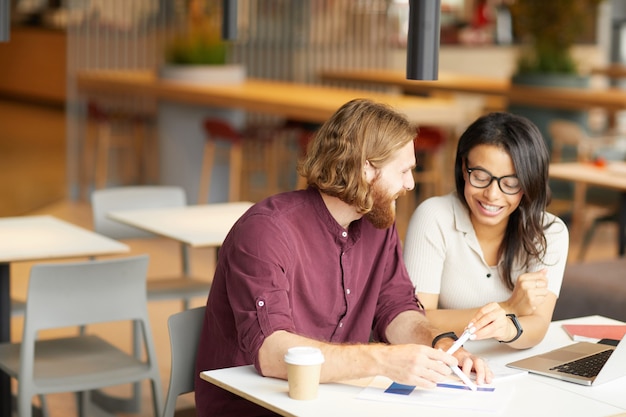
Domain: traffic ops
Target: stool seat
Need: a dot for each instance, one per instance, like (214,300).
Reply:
(257,156)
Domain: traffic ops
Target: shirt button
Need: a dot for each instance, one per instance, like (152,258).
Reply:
(348,291)
(340,324)
(261,303)
(344,234)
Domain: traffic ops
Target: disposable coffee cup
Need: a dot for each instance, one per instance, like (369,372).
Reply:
(304,365)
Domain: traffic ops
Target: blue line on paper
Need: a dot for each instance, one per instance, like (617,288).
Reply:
(401,389)
(456,386)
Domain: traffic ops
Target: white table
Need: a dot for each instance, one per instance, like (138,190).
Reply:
(533,394)
(196,226)
(203,225)
(583,174)
(33,238)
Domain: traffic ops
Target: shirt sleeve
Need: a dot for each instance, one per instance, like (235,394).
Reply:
(397,293)
(425,250)
(256,282)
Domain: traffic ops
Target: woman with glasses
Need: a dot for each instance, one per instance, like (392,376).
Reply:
(488,256)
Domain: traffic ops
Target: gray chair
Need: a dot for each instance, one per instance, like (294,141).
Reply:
(184,329)
(180,287)
(18,307)
(78,294)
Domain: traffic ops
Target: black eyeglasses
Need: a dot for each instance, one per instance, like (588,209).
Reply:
(481,178)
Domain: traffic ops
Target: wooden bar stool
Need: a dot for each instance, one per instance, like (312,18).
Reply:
(262,159)
(303,133)
(221,130)
(305,136)
(430,152)
(129,132)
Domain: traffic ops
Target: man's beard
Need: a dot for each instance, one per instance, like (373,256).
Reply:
(383,212)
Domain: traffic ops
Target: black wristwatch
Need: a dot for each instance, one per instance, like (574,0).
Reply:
(437,338)
(518,327)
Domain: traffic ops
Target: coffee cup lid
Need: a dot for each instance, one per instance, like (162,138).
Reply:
(304,355)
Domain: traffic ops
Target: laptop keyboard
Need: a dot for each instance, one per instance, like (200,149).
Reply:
(587,367)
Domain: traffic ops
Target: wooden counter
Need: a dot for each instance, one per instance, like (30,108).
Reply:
(182,107)
(611,99)
(448,82)
(304,102)
(582,175)
(33,65)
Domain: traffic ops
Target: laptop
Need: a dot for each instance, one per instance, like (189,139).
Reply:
(583,363)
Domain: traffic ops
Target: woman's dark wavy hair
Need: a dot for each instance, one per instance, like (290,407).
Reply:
(524,238)
(361,130)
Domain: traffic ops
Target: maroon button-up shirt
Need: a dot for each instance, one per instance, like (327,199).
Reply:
(288,265)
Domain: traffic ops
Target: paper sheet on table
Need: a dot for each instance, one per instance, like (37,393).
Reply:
(449,395)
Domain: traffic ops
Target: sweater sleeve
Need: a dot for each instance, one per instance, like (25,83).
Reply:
(425,246)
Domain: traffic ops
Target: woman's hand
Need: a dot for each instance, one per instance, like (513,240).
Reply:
(490,321)
(529,293)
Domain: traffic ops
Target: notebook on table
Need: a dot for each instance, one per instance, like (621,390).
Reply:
(583,363)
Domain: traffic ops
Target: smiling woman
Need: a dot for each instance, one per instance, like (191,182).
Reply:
(489,255)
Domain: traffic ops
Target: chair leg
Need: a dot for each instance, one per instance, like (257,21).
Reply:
(588,236)
(24,402)
(82,398)
(205,175)
(113,404)
(186,268)
(103,146)
(139,149)
(235,167)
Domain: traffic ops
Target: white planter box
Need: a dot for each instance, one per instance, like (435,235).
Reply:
(204,74)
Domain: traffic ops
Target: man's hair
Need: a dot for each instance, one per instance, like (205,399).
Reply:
(361,130)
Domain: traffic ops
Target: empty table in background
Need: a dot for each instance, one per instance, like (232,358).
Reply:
(33,238)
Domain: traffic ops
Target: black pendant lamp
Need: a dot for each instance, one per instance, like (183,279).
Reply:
(422,59)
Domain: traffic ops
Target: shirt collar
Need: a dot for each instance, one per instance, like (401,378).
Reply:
(462,220)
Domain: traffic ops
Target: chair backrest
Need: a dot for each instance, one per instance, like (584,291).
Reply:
(184,329)
(570,135)
(133,197)
(88,292)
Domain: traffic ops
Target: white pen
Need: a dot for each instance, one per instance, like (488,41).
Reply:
(457,371)
(467,333)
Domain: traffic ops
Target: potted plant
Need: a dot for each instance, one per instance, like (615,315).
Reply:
(547,30)
(198,54)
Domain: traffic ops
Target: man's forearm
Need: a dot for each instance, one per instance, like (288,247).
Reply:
(411,327)
(342,362)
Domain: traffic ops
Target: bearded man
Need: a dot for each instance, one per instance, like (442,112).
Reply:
(323,267)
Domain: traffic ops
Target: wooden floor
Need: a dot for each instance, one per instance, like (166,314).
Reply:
(32,181)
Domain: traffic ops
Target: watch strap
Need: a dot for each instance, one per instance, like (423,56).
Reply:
(450,335)
(518,327)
